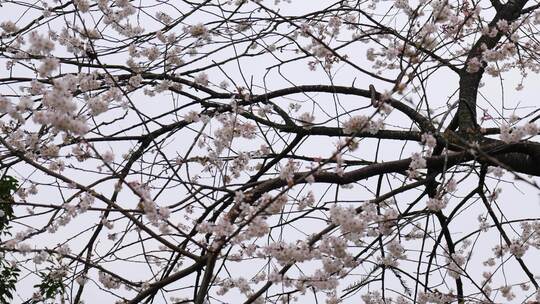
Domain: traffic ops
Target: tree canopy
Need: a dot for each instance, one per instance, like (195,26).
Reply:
(267,151)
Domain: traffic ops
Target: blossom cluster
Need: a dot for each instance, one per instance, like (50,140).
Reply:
(417,162)
(361,123)
(59,109)
(436,203)
(232,127)
(513,134)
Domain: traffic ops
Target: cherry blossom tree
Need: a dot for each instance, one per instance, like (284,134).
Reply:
(267,151)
